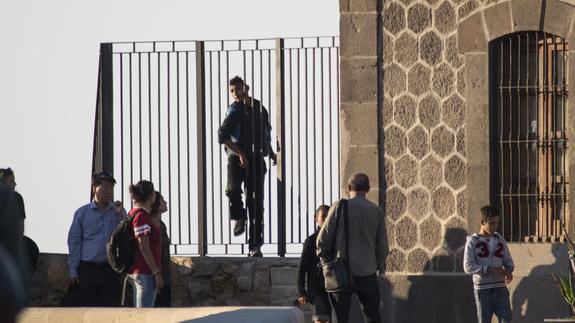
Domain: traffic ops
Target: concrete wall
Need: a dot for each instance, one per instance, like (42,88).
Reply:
(406,298)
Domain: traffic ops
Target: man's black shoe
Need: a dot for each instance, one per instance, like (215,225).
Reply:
(240,227)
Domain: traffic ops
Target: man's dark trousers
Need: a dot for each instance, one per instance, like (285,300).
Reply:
(99,285)
(367,291)
(254,180)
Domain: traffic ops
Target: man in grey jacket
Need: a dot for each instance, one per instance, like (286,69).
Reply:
(367,252)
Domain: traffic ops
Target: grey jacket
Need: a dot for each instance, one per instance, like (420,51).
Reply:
(482,252)
(367,237)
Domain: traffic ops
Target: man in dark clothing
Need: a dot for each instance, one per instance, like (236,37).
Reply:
(7,177)
(12,260)
(310,268)
(32,252)
(245,135)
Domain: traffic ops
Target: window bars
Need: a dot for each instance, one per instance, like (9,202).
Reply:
(528,135)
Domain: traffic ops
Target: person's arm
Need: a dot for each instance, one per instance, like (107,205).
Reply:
(507,262)
(507,259)
(327,233)
(142,232)
(381,246)
(19,200)
(470,265)
(225,132)
(306,254)
(75,246)
(233,147)
(269,147)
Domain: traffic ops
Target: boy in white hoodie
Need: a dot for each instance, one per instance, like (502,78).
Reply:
(487,258)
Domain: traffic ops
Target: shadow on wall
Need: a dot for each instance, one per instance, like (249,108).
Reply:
(438,298)
(533,298)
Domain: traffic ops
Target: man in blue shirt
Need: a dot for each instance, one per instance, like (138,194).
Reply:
(91,228)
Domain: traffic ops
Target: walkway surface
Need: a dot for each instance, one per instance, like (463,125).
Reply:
(163,315)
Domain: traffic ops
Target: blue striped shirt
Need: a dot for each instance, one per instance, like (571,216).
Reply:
(90,230)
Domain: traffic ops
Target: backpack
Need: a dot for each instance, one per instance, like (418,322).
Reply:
(121,248)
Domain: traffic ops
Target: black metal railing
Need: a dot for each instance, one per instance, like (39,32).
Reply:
(158,110)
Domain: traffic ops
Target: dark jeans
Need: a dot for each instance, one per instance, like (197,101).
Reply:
(164,298)
(367,291)
(253,180)
(99,285)
(493,301)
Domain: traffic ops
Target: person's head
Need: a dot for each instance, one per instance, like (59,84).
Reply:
(143,193)
(358,184)
(237,89)
(489,219)
(321,214)
(103,187)
(7,177)
(160,206)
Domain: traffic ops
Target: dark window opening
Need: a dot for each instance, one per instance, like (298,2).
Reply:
(528,99)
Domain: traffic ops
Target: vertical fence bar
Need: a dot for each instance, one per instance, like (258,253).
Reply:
(219,150)
(150,114)
(201,142)
(518,144)
(122,183)
(188,145)
(501,117)
(280,133)
(528,137)
(103,149)
(131,120)
(178,143)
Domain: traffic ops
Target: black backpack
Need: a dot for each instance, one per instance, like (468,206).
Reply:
(121,247)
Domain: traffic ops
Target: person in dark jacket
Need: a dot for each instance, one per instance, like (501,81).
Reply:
(245,134)
(310,268)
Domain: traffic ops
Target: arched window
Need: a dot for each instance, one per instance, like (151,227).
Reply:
(528,99)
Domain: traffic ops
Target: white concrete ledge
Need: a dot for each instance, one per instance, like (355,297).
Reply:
(235,314)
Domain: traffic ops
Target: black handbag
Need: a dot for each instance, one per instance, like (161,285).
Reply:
(336,272)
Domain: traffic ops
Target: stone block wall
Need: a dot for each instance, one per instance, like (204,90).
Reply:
(429,151)
(197,281)
(423,114)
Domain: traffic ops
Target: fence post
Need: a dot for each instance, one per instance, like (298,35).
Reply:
(280,135)
(103,148)
(201,141)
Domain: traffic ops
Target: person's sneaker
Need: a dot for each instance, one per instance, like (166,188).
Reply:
(255,253)
(240,227)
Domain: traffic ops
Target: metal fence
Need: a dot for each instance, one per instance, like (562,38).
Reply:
(159,107)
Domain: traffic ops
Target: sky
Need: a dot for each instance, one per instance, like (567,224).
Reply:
(48,77)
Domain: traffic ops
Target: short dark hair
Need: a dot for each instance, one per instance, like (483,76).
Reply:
(322,209)
(358,182)
(99,178)
(236,80)
(4,172)
(141,191)
(488,212)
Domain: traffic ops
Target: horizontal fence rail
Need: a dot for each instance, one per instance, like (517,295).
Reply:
(158,110)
